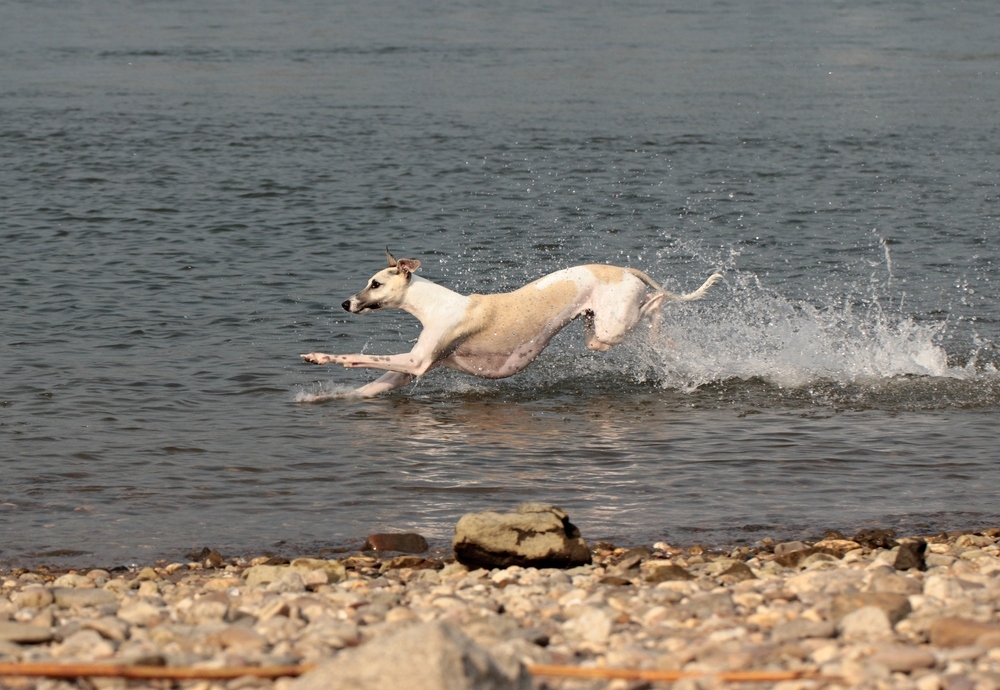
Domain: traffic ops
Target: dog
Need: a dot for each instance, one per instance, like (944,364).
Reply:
(496,336)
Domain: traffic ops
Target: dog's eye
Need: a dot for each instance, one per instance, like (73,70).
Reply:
(376,284)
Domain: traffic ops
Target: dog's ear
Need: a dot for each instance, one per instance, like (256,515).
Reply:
(407,266)
(390,259)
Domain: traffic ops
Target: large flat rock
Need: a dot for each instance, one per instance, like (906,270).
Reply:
(537,535)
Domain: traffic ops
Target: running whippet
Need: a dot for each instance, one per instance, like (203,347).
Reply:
(495,336)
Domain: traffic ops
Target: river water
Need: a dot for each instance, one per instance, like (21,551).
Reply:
(190,190)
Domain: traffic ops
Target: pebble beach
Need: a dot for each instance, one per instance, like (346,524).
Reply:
(853,610)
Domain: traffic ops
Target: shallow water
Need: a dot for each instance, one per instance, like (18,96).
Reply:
(189,192)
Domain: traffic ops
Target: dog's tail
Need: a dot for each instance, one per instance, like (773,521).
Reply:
(697,294)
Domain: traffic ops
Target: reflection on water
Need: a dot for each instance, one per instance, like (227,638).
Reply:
(645,464)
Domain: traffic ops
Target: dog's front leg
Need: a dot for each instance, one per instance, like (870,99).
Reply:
(422,358)
(318,358)
(412,363)
(383,384)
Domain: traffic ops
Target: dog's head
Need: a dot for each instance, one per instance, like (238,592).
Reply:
(385,288)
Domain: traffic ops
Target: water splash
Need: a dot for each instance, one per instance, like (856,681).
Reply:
(752,332)
(322,391)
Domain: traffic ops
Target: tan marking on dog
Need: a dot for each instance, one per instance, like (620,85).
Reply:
(499,324)
(607,274)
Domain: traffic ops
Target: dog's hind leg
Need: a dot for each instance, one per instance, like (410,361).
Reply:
(590,334)
(385,383)
(651,310)
(651,307)
(615,310)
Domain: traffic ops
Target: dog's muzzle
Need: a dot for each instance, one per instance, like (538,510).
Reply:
(356,306)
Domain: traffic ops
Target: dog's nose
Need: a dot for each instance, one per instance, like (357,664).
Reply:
(346,304)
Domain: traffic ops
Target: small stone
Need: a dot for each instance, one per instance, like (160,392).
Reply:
(931,681)
(209,558)
(942,587)
(942,560)
(706,606)
(973,541)
(789,547)
(839,545)
(656,615)
(400,614)
(895,606)
(960,681)
(315,578)
(876,538)
(223,584)
(147,574)
(958,632)
(664,547)
(819,560)
(78,598)
(865,623)
(895,584)
(643,552)
(335,570)
(631,560)
(830,582)
(33,597)
(73,580)
(975,555)
(404,542)
(118,586)
(210,607)
(240,639)
(139,612)
(911,555)
(990,640)
(84,644)
(109,627)
(667,573)
(615,580)
(431,656)
(794,559)
(403,562)
(903,659)
(289,582)
(264,574)
(23,633)
(802,628)
(737,572)
(592,625)
(44,618)
(453,569)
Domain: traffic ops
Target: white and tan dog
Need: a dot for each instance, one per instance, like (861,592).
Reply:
(495,336)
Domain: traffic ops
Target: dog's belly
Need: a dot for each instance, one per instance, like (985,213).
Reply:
(486,366)
(491,365)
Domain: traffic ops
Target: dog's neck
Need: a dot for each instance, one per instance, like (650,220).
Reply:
(432,303)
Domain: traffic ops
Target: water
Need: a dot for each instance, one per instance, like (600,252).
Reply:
(189,191)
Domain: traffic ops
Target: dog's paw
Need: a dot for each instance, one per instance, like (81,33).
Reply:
(317,358)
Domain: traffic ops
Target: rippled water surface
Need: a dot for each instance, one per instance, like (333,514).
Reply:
(189,190)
